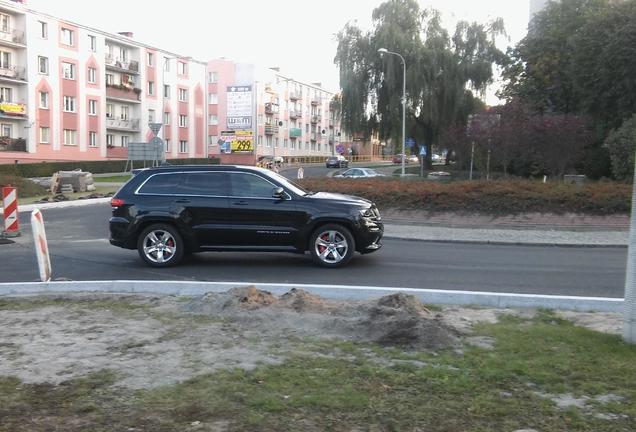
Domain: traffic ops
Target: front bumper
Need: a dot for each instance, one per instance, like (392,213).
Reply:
(369,238)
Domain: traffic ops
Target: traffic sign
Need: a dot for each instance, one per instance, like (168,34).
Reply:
(410,142)
(423,151)
(155,127)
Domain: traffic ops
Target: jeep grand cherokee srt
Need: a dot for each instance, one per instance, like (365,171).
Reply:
(167,212)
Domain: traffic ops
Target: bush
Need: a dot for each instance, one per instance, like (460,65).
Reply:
(26,188)
(46,169)
(488,197)
(621,143)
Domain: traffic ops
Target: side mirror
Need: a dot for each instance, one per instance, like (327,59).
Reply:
(279,193)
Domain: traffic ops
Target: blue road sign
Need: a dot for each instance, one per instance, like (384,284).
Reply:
(423,151)
(410,142)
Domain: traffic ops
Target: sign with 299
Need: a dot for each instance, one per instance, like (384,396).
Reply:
(243,141)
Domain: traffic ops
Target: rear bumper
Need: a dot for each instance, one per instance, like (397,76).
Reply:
(119,233)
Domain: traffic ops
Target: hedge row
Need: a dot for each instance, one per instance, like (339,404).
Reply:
(486,197)
(46,169)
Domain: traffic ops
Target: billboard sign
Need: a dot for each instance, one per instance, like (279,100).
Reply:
(239,107)
(243,141)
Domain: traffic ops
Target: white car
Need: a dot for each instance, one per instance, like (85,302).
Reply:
(360,173)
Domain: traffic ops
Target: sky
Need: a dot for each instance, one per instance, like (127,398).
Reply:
(296,35)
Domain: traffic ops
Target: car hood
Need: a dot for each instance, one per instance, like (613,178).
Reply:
(340,198)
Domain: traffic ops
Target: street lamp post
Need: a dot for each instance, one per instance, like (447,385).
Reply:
(385,51)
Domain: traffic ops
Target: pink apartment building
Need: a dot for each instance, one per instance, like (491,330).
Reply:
(69,92)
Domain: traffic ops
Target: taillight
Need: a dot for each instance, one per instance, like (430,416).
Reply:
(116,202)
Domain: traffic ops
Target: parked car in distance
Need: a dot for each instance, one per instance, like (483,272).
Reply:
(269,161)
(397,159)
(337,162)
(413,158)
(359,173)
(168,212)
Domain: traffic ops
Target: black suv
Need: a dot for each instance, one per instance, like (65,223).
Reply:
(167,212)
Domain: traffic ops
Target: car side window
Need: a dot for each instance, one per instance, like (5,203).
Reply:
(354,172)
(246,185)
(163,184)
(204,183)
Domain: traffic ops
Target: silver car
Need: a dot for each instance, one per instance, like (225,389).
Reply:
(360,173)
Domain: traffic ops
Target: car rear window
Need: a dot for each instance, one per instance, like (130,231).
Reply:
(163,183)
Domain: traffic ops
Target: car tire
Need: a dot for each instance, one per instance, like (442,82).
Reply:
(332,246)
(160,245)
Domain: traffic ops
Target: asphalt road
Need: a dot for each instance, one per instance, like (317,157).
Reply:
(80,251)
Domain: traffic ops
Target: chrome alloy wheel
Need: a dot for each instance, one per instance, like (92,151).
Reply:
(331,247)
(159,246)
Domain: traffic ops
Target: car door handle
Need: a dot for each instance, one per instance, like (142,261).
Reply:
(183,201)
(240,203)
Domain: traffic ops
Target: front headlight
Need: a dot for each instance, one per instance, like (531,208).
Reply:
(367,213)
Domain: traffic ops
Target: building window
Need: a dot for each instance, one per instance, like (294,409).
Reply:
(151,88)
(6,130)
(166,91)
(213,98)
(213,77)
(213,139)
(110,79)
(109,110)
(285,143)
(149,59)
(70,136)
(276,142)
(68,71)
(167,143)
(125,139)
(44,100)
(166,118)
(5,23)
(166,64)
(151,116)
(67,36)
(183,95)
(45,135)
(268,141)
(213,119)
(92,107)
(92,139)
(182,68)
(183,146)
(43,65)
(6,94)
(68,104)
(125,112)
(5,60)
(92,43)
(183,120)
(110,139)
(44,30)
(260,140)
(92,75)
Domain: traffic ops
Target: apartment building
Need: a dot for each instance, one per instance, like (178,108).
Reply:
(69,92)
(288,118)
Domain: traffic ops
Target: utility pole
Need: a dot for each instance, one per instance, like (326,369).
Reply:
(629,314)
(472,157)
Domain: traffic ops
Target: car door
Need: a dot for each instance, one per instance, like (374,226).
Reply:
(259,219)
(202,203)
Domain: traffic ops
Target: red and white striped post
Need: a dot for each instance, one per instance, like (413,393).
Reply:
(41,245)
(10,210)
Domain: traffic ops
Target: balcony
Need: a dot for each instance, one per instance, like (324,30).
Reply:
(271,129)
(271,108)
(12,37)
(316,118)
(12,110)
(130,66)
(315,101)
(13,73)
(295,133)
(295,95)
(123,124)
(12,144)
(122,92)
(294,114)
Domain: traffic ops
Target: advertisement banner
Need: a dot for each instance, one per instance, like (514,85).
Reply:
(12,108)
(225,141)
(239,107)
(243,142)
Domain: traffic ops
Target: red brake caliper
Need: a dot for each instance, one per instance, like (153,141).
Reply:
(325,238)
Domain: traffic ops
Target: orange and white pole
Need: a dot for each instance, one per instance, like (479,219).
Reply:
(41,245)
(10,210)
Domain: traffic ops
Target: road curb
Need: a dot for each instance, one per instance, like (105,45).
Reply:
(510,243)
(336,292)
(61,204)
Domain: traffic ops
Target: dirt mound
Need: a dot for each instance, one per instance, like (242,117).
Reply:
(303,301)
(401,320)
(249,297)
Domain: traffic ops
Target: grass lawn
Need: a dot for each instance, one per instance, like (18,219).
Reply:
(349,386)
(113,179)
(72,196)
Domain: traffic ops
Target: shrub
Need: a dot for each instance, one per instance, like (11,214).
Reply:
(488,197)
(26,188)
(621,143)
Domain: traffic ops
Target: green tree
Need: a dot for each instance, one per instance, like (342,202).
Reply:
(622,146)
(443,71)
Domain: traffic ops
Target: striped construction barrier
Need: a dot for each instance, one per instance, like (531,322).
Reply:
(10,211)
(41,245)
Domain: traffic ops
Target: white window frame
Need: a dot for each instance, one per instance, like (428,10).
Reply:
(45,132)
(44,97)
(125,140)
(69,104)
(43,61)
(91,75)
(6,94)
(124,112)
(44,29)
(151,115)
(5,23)
(183,146)
(110,111)
(166,118)
(151,88)
(110,140)
(182,68)
(183,121)
(92,43)
(70,137)
(213,98)
(110,79)
(166,142)
(213,77)
(166,91)
(68,71)
(213,119)
(92,107)
(149,59)
(92,139)
(63,33)
(183,95)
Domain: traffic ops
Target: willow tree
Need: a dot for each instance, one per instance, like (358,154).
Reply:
(444,72)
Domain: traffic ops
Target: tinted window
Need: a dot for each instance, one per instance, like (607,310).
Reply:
(161,184)
(204,183)
(250,186)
